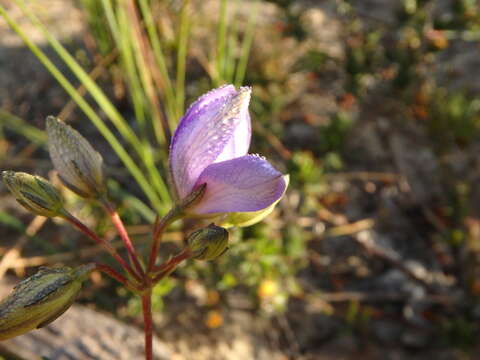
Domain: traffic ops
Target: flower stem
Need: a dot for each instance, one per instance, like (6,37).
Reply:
(110,249)
(166,268)
(118,223)
(160,227)
(148,324)
(117,276)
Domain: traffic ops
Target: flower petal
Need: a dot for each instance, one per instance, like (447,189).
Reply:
(240,141)
(225,91)
(247,183)
(244,219)
(208,127)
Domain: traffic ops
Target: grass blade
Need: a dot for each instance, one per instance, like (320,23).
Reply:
(166,84)
(246,46)
(182,56)
(20,126)
(221,41)
(91,86)
(90,112)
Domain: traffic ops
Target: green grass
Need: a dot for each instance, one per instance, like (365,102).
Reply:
(155,81)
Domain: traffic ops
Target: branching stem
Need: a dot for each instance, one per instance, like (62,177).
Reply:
(158,231)
(114,274)
(108,247)
(118,223)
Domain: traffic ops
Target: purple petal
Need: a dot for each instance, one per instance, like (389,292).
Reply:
(239,142)
(207,131)
(225,91)
(247,183)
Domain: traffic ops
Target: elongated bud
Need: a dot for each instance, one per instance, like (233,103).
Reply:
(40,299)
(208,243)
(35,193)
(79,166)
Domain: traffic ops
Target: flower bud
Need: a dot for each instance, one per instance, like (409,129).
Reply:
(40,299)
(34,192)
(208,243)
(79,166)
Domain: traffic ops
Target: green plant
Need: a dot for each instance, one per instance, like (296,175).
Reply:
(155,78)
(213,178)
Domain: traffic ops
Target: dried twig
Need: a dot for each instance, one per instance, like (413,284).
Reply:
(274,141)
(351,228)
(84,253)
(13,254)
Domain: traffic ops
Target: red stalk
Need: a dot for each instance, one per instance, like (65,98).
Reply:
(80,226)
(118,223)
(116,275)
(148,324)
(175,260)
(160,227)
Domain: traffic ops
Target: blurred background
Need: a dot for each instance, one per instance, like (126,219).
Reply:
(371,106)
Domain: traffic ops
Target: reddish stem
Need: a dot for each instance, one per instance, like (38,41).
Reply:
(118,223)
(148,324)
(80,226)
(160,227)
(166,268)
(164,273)
(111,272)
(175,213)
(114,274)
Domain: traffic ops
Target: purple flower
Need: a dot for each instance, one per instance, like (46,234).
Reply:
(210,146)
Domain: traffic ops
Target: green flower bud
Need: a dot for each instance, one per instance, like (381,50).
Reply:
(79,166)
(34,192)
(40,299)
(208,243)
